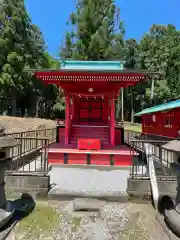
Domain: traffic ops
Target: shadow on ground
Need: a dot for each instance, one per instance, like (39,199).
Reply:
(23,207)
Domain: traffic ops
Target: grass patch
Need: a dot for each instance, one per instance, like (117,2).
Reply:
(136,127)
(42,220)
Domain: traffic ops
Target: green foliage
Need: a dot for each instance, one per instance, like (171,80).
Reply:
(22,46)
(160,50)
(96,32)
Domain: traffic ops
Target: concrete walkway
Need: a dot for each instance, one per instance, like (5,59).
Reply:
(86,182)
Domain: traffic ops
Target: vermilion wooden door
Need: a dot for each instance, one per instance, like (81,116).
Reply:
(90,110)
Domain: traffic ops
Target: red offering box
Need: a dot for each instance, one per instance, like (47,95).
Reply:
(89,144)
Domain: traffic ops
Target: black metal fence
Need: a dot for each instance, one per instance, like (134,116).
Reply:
(30,155)
(130,135)
(30,158)
(41,133)
(31,152)
(164,159)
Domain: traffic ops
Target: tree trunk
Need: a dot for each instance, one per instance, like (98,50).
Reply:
(132,106)
(14,104)
(45,109)
(152,92)
(37,107)
(5,113)
(122,105)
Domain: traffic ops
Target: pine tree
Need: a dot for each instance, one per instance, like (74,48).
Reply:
(96,32)
(21,45)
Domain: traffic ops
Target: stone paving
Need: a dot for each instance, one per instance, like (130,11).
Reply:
(88,182)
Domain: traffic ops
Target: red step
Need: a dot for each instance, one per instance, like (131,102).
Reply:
(101,133)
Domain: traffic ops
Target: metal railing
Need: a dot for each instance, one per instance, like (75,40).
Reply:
(30,140)
(129,135)
(50,133)
(30,154)
(164,159)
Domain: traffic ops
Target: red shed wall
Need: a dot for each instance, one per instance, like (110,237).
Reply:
(162,123)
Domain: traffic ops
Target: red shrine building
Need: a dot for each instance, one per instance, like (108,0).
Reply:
(91,89)
(161,120)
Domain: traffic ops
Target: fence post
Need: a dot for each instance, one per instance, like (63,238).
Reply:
(46,132)
(21,143)
(160,153)
(46,155)
(36,141)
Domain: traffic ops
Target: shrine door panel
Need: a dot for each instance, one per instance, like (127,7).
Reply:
(84,114)
(90,110)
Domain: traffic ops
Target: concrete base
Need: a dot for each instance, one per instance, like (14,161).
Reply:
(38,186)
(141,188)
(80,182)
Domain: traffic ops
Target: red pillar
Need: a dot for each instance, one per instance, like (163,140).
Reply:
(77,109)
(73,108)
(112,122)
(67,120)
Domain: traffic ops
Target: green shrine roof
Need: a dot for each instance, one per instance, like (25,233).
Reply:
(92,65)
(160,108)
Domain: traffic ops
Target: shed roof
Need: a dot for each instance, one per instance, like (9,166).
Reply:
(160,108)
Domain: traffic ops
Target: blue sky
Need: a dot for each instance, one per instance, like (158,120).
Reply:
(138,15)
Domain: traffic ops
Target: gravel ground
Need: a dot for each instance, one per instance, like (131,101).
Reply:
(114,221)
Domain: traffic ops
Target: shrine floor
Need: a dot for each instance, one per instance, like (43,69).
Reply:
(119,156)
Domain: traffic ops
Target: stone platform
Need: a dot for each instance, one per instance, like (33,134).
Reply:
(107,183)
